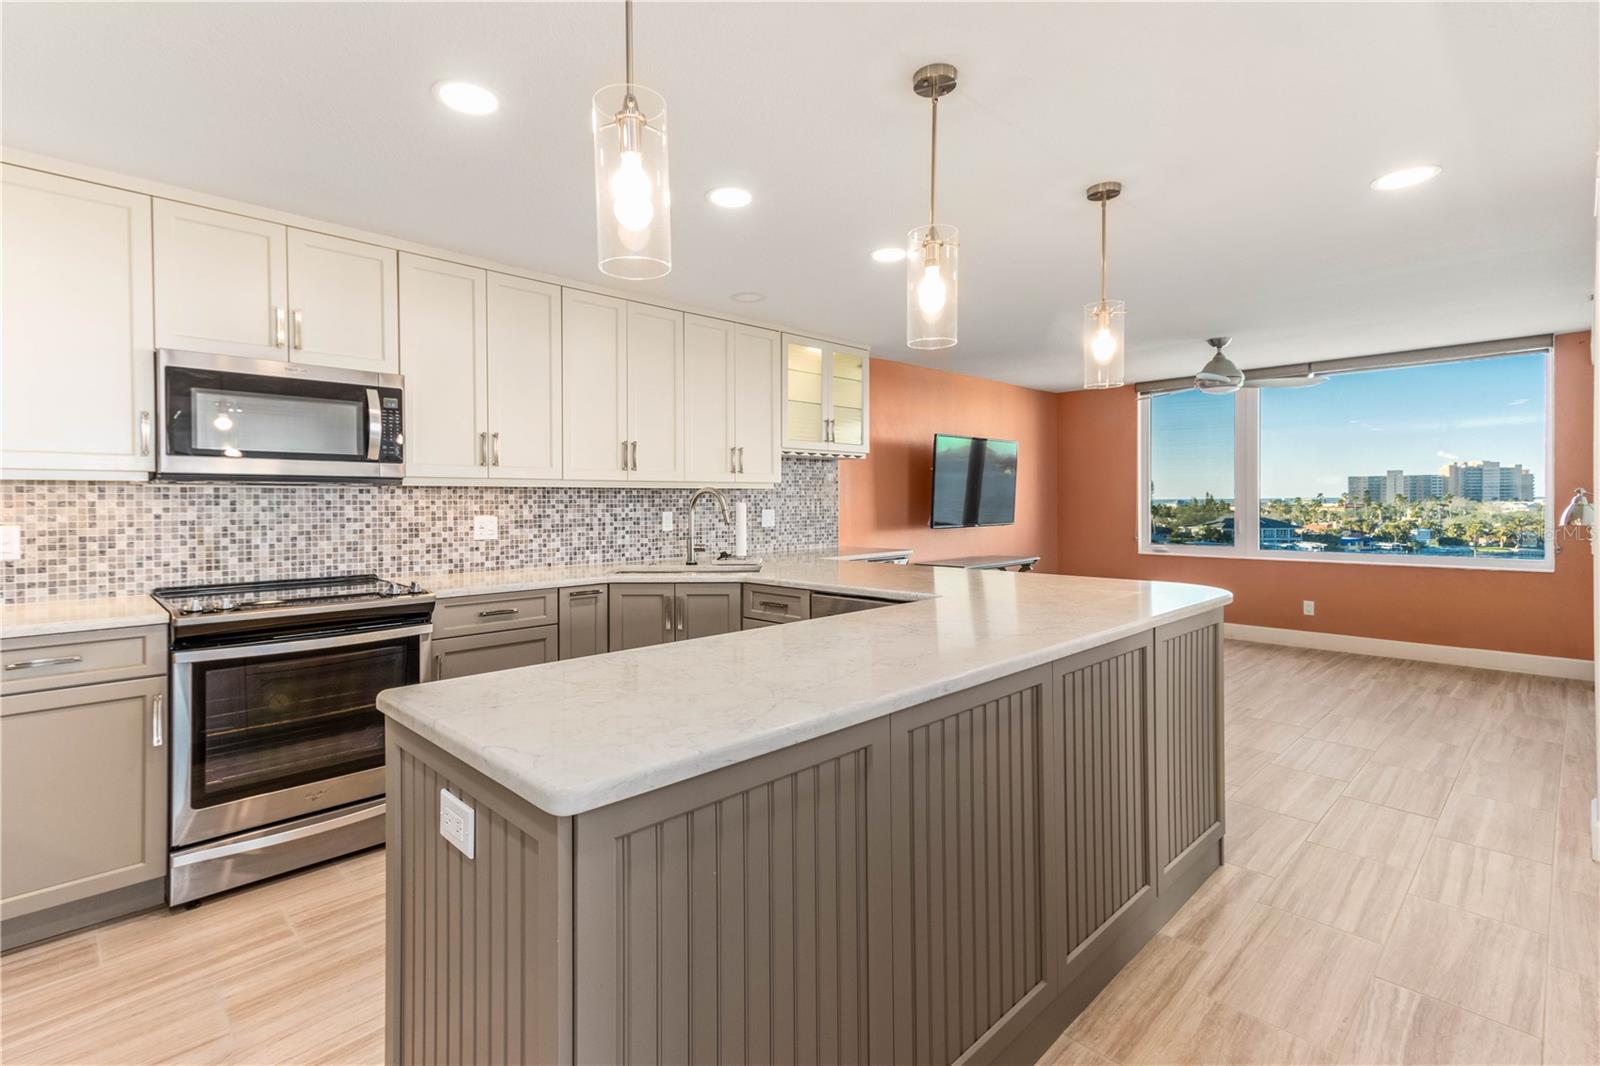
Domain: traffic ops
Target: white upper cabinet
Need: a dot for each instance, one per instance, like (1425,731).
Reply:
(221,282)
(343,303)
(708,399)
(826,397)
(77,366)
(524,378)
(757,404)
(594,381)
(444,357)
(655,393)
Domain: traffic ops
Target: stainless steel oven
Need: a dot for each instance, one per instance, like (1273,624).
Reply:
(223,416)
(277,743)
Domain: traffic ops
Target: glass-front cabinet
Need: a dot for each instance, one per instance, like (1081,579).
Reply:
(825,397)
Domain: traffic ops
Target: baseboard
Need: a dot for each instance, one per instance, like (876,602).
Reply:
(1481,658)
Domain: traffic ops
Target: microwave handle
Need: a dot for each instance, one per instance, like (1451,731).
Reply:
(374,425)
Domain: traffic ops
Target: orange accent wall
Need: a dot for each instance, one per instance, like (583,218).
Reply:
(884,498)
(1537,613)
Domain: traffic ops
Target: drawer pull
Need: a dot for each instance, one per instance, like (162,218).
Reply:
(583,592)
(60,660)
(158,721)
(499,612)
(784,607)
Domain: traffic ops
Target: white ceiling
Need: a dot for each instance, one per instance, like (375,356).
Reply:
(1245,136)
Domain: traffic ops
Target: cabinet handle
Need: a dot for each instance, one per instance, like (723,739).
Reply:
(733,460)
(299,331)
(438,667)
(634,462)
(582,592)
(494,439)
(483,449)
(499,612)
(671,605)
(144,432)
(280,328)
(158,724)
(29,664)
(624,455)
(783,607)
(741,458)
(681,610)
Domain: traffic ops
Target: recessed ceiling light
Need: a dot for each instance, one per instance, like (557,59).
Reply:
(729,196)
(748,297)
(889,255)
(465,97)
(1404,179)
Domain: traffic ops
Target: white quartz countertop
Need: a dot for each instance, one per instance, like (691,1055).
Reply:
(575,735)
(77,616)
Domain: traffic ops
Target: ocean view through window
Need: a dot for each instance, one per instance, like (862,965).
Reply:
(1439,462)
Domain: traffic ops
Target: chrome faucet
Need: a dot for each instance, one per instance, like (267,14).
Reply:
(726,516)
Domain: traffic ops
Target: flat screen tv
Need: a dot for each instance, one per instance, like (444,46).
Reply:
(974,482)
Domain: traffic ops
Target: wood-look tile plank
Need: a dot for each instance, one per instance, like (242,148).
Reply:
(1400,1027)
(1575,934)
(1400,788)
(1393,837)
(1498,825)
(1263,735)
(1261,840)
(1479,964)
(1155,978)
(1069,1052)
(1490,883)
(1346,891)
(1292,792)
(34,967)
(1353,729)
(1326,757)
(1199,1031)
(1571,1019)
(1437,757)
(1240,763)
(1575,866)
(1213,912)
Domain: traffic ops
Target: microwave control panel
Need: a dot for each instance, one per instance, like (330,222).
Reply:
(391,448)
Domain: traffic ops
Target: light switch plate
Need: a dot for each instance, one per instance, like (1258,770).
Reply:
(486,527)
(1308,606)
(458,823)
(10,544)
(666,521)
(769,518)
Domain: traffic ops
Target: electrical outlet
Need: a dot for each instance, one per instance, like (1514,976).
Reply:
(458,823)
(769,518)
(486,527)
(1308,606)
(10,544)
(666,521)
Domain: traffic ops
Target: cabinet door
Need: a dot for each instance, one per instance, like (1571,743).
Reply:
(221,282)
(757,411)
(461,656)
(524,378)
(443,356)
(584,622)
(706,610)
(83,785)
(847,399)
(77,369)
(655,393)
(708,399)
(594,370)
(641,615)
(804,394)
(343,303)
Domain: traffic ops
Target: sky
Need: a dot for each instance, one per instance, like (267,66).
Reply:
(1415,419)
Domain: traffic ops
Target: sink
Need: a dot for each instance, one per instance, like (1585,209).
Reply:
(725,566)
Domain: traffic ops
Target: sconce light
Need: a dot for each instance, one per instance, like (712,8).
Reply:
(1577,520)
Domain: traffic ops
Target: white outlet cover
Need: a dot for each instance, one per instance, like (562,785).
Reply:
(1308,606)
(769,518)
(458,823)
(666,521)
(486,527)
(10,544)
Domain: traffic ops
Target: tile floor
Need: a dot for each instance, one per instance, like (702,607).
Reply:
(1407,881)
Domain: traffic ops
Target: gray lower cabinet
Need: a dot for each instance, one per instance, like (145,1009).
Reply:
(486,652)
(83,788)
(951,882)
(646,614)
(585,625)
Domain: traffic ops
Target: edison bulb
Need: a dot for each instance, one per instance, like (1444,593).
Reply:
(1103,345)
(631,192)
(931,291)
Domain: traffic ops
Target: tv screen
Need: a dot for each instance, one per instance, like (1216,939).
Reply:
(974,482)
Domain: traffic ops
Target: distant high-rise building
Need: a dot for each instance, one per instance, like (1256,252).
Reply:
(1486,479)
(1386,487)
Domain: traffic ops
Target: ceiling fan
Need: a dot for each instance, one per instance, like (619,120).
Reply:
(1220,376)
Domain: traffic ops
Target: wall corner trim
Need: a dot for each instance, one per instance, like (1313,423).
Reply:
(1479,658)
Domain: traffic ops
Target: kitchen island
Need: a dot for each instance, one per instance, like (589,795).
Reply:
(926,831)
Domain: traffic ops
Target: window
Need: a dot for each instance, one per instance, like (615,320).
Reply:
(1433,463)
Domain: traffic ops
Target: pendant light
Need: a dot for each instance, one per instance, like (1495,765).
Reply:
(1102,320)
(932,250)
(632,199)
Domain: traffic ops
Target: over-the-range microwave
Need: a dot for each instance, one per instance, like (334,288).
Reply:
(228,417)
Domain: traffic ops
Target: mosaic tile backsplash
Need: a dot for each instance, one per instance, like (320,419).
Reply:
(109,538)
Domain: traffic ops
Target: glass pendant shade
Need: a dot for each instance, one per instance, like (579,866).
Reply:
(632,196)
(932,256)
(1102,344)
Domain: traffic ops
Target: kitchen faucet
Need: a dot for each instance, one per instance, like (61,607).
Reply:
(726,516)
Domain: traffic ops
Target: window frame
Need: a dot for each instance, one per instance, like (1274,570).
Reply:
(1247,498)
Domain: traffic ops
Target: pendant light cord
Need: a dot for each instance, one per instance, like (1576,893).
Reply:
(627,14)
(1102,254)
(933,164)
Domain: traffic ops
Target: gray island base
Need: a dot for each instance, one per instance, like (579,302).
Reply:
(954,880)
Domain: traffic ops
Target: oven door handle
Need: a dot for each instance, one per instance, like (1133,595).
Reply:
(374,425)
(258,651)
